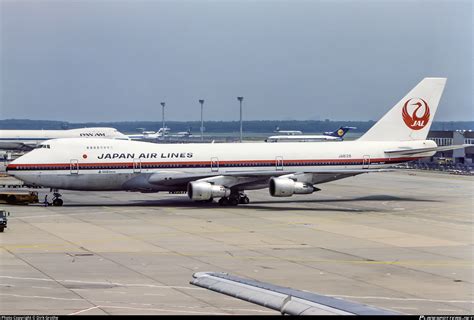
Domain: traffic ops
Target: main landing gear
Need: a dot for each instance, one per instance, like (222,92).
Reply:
(57,201)
(234,199)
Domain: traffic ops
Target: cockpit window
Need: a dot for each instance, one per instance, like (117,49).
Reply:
(43,146)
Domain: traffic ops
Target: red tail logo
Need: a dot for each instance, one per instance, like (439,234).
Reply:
(415,121)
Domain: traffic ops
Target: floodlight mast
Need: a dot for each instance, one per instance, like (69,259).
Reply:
(201,101)
(240,100)
(163,118)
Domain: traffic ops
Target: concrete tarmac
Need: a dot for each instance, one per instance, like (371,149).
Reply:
(400,240)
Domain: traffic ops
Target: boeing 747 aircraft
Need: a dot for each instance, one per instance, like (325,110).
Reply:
(28,139)
(225,171)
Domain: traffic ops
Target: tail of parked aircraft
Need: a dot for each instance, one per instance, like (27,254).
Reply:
(339,132)
(411,117)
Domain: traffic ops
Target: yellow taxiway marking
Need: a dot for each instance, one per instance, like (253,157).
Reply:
(201,254)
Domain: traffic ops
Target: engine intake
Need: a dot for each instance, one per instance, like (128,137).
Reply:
(283,187)
(200,190)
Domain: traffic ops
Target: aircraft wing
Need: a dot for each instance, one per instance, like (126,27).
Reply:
(247,179)
(285,300)
(414,151)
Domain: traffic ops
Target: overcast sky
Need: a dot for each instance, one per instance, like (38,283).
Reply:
(343,60)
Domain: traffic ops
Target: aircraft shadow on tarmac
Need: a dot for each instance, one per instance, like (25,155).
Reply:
(183,202)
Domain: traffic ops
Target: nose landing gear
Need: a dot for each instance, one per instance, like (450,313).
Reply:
(57,201)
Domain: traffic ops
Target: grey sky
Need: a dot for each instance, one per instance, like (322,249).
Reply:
(343,60)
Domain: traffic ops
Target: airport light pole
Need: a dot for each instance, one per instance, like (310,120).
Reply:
(240,100)
(163,117)
(201,101)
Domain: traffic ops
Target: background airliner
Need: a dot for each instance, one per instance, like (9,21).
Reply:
(150,136)
(225,171)
(29,139)
(337,135)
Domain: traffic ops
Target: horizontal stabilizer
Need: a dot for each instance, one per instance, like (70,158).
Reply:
(285,300)
(407,151)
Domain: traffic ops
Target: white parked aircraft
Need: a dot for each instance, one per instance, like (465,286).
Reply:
(337,135)
(150,136)
(29,139)
(287,132)
(225,170)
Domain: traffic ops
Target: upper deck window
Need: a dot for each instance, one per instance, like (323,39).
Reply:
(98,147)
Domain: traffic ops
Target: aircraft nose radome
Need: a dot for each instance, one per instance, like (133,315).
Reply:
(12,165)
(9,167)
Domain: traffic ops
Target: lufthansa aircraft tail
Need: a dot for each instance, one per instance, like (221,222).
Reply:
(339,133)
(411,117)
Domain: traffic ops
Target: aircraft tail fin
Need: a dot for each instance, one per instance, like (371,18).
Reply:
(411,117)
(339,133)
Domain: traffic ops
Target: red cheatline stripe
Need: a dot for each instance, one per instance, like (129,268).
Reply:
(271,162)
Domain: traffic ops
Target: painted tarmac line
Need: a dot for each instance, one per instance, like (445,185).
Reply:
(249,310)
(106,283)
(447,310)
(40,297)
(84,310)
(404,308)
(163,310)
(107,306)
(53,215)
(401,299)
(7,285)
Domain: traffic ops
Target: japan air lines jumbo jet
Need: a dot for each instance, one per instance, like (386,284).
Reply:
(225,171)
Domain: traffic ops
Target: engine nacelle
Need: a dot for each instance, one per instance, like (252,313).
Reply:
(201,190)
(283,187)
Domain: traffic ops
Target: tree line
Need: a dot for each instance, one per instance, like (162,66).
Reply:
(257,126)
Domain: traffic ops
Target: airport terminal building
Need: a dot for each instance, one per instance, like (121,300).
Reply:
(446,138)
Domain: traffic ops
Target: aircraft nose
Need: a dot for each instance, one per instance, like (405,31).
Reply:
(12,167)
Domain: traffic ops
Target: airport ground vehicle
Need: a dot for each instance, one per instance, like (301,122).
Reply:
(19,197)
(3,219)
(445,161)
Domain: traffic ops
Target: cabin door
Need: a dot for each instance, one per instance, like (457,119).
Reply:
(214,164)
(137,165)
(279,163)
(74,166)
(366,162)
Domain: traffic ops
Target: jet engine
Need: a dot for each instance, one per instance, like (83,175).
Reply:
(201,190)
(283,187)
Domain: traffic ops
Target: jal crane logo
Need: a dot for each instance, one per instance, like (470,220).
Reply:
(416,113)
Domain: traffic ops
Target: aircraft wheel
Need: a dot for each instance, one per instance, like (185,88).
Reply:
(57,202)
(244,200)
(234,201)
(223,201)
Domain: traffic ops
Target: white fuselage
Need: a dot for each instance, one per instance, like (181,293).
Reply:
(29,139)
(102,164)
(302,138)
(289,132)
